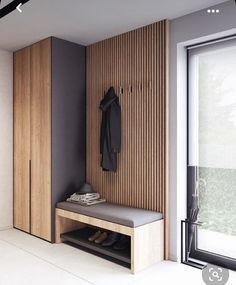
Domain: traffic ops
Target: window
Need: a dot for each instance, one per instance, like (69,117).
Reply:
(212,149)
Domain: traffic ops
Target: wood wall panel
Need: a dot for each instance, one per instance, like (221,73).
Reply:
(41,139)
(22,139)
(136,64)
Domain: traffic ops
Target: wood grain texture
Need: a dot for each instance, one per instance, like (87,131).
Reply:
(22,139)
(41,139)
(65,225)
(136,64)
(94,222)
(147,246)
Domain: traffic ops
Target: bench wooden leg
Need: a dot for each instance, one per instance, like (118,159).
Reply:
(147,246)
(64,225)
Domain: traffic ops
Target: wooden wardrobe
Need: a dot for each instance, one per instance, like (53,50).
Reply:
(49,131)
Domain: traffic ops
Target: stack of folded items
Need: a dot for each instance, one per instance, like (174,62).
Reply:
(87,199)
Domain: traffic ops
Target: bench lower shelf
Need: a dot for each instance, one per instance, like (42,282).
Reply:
(80,238)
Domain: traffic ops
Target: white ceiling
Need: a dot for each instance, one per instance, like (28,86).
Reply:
(87,21)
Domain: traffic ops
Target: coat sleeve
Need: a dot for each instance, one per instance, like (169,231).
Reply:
(102,132)
(115,127)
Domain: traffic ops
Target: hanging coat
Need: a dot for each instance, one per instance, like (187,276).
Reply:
(110,136)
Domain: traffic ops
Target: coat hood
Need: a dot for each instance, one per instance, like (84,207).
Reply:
(108,99)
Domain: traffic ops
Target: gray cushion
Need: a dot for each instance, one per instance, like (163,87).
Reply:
(127,216)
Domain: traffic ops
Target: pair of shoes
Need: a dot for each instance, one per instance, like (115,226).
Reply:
(98,237)
(95,236)
(118,241)
(123,243)
(112,239)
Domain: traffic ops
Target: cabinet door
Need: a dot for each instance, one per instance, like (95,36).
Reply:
(41,139)
(22,139)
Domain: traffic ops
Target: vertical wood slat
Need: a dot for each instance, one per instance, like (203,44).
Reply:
(137,59)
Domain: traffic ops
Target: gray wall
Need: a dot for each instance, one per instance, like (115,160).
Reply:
(68,119)
(189,29)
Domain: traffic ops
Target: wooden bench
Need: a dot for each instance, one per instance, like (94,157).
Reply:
(145,228)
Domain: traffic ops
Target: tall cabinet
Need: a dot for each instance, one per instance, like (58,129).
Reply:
(49,131)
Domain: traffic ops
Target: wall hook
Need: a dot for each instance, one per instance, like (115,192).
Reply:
(130,88)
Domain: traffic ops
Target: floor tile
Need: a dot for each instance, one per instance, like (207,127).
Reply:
(18,267)
(27,260)
(35,245)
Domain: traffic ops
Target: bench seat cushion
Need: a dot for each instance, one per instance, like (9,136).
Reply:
(123,215)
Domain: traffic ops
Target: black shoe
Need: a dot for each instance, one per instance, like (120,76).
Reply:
(123,243)
(112,238)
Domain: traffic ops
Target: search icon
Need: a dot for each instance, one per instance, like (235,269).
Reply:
(215,274)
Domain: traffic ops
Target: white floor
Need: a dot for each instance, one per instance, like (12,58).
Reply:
(26,260)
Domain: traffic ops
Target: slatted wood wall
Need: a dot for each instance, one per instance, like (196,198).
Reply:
(136,64)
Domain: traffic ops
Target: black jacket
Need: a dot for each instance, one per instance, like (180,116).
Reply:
(110,137)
